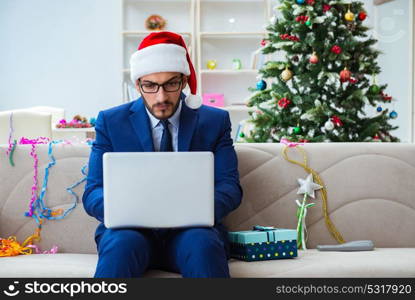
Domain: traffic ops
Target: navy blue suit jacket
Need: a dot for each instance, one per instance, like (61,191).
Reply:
(126,128)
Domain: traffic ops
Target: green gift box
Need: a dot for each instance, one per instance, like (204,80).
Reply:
(263,243)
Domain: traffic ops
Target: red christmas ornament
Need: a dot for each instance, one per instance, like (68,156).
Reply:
(326,8)
(353,80)
(345,75)
(362,16)
(284,102)
(289,37)
(263,42)
(336,120)
(303,141)
(376,137)
(301,19)
(311,2)
(314,58)
(336,49)
(385,96)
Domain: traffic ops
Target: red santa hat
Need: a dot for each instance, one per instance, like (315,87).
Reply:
(165,51)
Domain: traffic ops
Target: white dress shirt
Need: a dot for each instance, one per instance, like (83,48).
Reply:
(157,128)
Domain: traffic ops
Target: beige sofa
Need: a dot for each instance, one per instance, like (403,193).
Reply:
(371,195)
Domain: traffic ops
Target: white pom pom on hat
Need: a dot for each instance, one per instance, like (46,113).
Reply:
(165,51)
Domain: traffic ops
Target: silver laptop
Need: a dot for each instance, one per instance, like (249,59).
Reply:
(158,189)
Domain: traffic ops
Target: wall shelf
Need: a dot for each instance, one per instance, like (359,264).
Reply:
(231,34)
(145,32)
(212,29)
(224,34)
(228,71)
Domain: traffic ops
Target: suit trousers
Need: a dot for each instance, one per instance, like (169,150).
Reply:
(196,252)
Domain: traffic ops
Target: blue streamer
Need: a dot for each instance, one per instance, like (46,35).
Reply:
(39,206)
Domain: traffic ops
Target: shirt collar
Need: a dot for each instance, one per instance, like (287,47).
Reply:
(174,119)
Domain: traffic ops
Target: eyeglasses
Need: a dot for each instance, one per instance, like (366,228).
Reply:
(173,85)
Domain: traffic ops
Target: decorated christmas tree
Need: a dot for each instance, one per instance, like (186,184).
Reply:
(321,89)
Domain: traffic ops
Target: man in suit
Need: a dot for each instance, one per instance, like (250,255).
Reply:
(164,119)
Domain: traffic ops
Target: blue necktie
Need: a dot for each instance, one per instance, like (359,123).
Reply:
(166,141)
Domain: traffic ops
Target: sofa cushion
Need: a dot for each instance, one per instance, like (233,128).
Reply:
(382,262)
(72,234)
(49,265)
(370,190)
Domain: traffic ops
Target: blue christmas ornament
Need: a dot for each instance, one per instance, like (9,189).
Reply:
(261,85)
(300,1)
(393,114)
(92,121)
(379,109)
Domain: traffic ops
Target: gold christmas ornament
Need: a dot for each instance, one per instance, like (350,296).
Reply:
(287,74)
(211,64)
(349,16)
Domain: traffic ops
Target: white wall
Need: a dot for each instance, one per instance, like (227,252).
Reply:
(63,53)
(393,29)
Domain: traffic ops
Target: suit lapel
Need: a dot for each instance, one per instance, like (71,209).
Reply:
(188,122)
(141,124)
